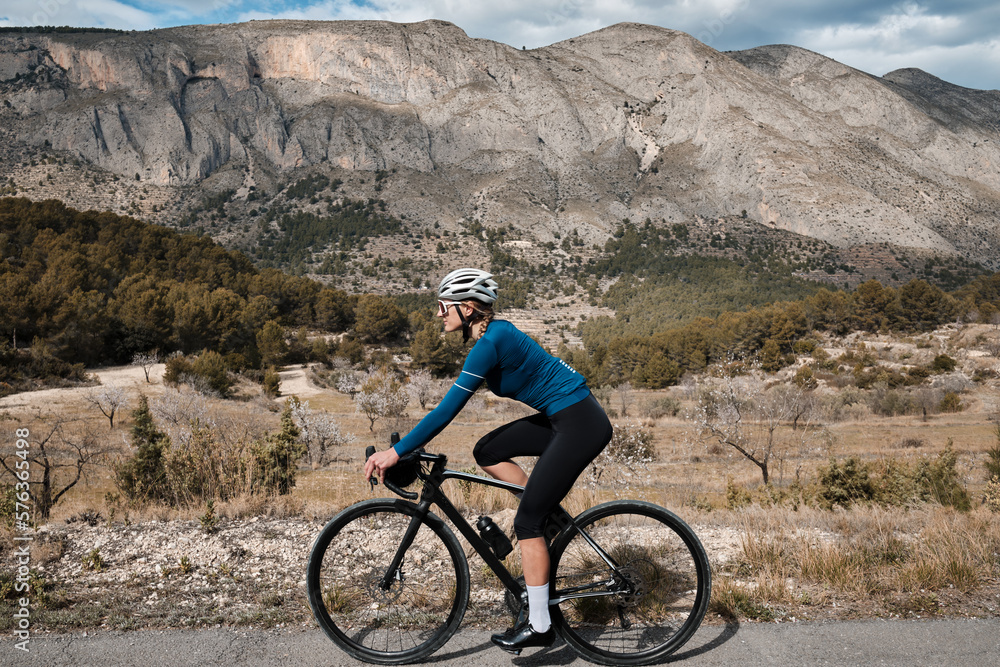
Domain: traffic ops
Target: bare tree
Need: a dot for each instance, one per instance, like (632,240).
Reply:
(179,407)
(626,397)
(801,403)
(381,395)
(108,399)
(51,453)
(421,386)
(739,411)
(318,431)
(346,380)
(927,399)
(146,360)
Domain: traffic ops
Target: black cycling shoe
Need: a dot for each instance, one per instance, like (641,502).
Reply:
(517,639)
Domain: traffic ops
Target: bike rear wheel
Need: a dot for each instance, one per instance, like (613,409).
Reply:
(652,605)
(424,601)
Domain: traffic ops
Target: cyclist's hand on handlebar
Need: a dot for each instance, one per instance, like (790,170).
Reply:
(379,462)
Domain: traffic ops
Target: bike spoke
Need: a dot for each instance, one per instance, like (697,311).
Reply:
(404,621)
(652,603)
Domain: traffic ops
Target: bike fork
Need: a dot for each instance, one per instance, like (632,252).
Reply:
(393,573)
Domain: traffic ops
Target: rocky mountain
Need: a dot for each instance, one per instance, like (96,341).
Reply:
(631,121)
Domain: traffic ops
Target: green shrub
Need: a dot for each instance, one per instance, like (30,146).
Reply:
(895,485)
(804,346)
(844,484)
(940,480)
(272,382)
(993,456)
(771,359)
(805,378)
(175,369)
(889,402)
(869,377)
(277,458)
(209,520)
(951,403)
(212,368)
(208,373)
(352,350)
(93,560)
(892,482)
(943,364)
(737,496)
(666,406)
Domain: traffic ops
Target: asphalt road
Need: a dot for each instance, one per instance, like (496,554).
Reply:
(951,642)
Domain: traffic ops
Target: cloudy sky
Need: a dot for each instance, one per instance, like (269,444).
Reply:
(957,40)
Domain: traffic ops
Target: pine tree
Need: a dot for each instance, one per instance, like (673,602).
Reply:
(144,477)
(277,457)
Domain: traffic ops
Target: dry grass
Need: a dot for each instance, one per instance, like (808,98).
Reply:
(801,562)
(869,557)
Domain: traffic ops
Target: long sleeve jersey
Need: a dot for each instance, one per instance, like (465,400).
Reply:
(513,366)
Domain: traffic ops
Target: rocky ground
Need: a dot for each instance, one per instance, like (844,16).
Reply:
(99,574)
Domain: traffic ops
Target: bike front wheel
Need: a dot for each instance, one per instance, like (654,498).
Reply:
(645,607)
(377,613)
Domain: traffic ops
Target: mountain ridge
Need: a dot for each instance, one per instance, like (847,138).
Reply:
(630,121)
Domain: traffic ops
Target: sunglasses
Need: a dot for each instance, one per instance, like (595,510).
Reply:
(443,306)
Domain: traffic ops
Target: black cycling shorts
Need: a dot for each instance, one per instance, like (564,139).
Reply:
(564,443)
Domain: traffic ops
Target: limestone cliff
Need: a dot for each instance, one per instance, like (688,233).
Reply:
(629,121)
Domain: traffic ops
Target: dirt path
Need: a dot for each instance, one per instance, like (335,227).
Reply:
(295,381)
(130,378)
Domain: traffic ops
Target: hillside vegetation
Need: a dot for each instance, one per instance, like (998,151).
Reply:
(96,288)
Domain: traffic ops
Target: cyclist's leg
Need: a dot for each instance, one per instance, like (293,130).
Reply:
(529,436)
(578,434)
(524,437)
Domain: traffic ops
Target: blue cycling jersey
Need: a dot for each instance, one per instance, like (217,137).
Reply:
(513,366)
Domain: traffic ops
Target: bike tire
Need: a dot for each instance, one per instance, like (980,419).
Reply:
(425,603)
(666,565)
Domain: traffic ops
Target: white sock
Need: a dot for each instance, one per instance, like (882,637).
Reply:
(538,608)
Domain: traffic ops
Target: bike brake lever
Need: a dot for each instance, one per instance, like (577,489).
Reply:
(373,480)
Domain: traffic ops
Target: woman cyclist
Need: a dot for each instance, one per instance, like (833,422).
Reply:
(568,432)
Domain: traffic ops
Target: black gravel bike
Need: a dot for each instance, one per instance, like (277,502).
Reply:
(388,579)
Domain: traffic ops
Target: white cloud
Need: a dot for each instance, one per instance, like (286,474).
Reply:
(904,32)
(910,37)
(951,63)
(90,13)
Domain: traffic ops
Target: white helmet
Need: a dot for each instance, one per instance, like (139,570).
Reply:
(468,284)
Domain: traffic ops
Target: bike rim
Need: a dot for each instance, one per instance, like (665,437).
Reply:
(414,615)
(661,593)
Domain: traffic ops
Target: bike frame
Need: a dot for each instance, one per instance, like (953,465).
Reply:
(559,521)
